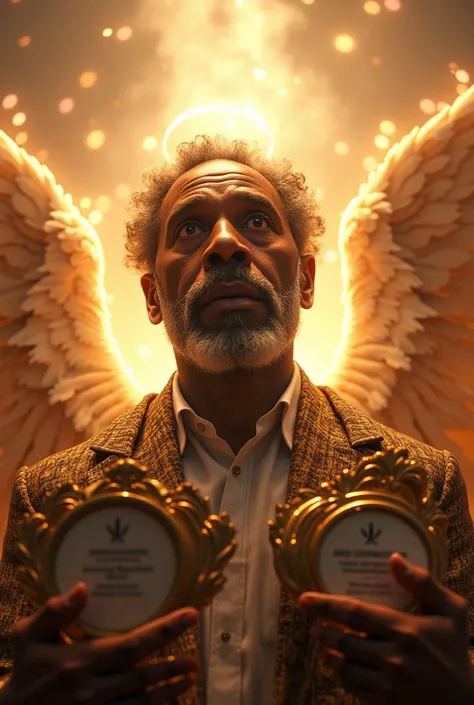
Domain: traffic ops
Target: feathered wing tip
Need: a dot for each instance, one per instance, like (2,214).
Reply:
(407,245)
(62,375)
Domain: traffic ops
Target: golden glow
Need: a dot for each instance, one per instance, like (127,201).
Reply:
(95,217)
(103,204)
(19,119)
(462,76)
(122,191)
(259,74)
(144,351)
(387,127)
(344,43)
(372,7)
(85,203)
(382,142)
(88,79)
(9,101)
(150,143)
(370,163)
(95,139)
(124,34)
(107,32)
(461,88)
(393,5)
(428,106)
(42,155)
(341,148)
(226,110)
(66,105)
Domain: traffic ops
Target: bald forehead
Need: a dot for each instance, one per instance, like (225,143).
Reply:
(219,176)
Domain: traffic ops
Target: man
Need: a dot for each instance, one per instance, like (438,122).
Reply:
(226,241)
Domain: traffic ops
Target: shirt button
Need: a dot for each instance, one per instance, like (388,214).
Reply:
(225,636)
(201,427)
(236,471)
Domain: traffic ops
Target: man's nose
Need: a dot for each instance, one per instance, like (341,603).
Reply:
(225,245)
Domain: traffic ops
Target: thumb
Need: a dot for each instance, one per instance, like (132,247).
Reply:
(432,597)
(59,611)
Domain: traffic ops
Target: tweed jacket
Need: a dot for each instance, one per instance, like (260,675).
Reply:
(330,435)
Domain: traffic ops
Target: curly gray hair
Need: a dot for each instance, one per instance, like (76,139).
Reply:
(301,207)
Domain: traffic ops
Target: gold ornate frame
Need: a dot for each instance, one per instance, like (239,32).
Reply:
(204,543)
(387,481)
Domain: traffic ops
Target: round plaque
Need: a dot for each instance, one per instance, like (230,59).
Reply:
(339,537)
(141,550)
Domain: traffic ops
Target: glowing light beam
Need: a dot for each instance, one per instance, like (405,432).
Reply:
(231,109)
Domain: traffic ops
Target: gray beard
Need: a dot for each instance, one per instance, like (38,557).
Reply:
(235,346)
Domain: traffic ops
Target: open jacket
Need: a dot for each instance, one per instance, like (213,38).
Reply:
(330,435)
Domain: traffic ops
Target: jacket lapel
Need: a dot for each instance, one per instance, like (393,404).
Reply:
(329,436)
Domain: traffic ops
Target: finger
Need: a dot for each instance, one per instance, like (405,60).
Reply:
(356,678)
(112,653)
(433,597)
(46,623)
(141,678)
(364,650)
(354,614)
(166,692)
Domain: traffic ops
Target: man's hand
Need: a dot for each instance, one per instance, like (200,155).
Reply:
(387,657)
(45,670)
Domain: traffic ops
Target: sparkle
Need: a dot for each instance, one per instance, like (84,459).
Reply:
(122,191)
(124,33)
(372,7)
(428,106)
(259,74)
(107,32)
(66,105)
(21,138)
(85,203)
(95,139)
(10,101)
(393,5)
(88,79)
(24,42)
(330,256)
(382,142)
(462,76)
(370,163)
(19,119)
(144,351)
(341,148)
(95,217)
(387,127)
(150,143)
(344,43)
(103,204)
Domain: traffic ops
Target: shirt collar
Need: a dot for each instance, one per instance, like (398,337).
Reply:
(285,410)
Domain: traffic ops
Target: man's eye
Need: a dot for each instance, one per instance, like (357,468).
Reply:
(188,229)
(258,222)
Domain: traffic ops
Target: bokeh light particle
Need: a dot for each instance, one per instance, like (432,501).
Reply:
(259,74)
(393,5)
(341,148)
(24,41)
(344,43)
(382,142)
(428,106)
(85,202)
(9,101)
(95,217)
(21,138)
(95,139)
(461,88)
(88,79)
(124,33)
(144,351)
(122,191)
(66,105)
(462,76)
(372,7)
(19,119)
(103,204)
(370,163)
(150,143)
(387,127)
(107,32)
(42,155)
(330,256)
(308,2)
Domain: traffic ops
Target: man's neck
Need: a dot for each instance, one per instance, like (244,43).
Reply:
(234,401)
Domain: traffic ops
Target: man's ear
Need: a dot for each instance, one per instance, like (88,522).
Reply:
(308,273)
(153,307)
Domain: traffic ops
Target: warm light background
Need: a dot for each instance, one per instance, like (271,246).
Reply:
(89,86)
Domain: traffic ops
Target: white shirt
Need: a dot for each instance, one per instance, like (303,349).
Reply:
(239,630)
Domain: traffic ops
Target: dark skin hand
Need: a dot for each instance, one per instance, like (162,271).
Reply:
(223,234)
(386,657)
(97,672)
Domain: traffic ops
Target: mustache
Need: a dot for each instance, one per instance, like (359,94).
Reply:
(226,275)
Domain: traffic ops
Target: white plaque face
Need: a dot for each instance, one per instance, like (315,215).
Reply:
(128,562)
(353,556)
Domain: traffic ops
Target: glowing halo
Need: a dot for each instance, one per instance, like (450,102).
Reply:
(232,109)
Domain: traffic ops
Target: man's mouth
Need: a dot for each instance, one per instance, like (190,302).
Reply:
(231,295)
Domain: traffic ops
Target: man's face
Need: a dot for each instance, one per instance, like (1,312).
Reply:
(228,282)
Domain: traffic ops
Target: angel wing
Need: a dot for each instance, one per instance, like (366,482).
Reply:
(407,243)
(62,376)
